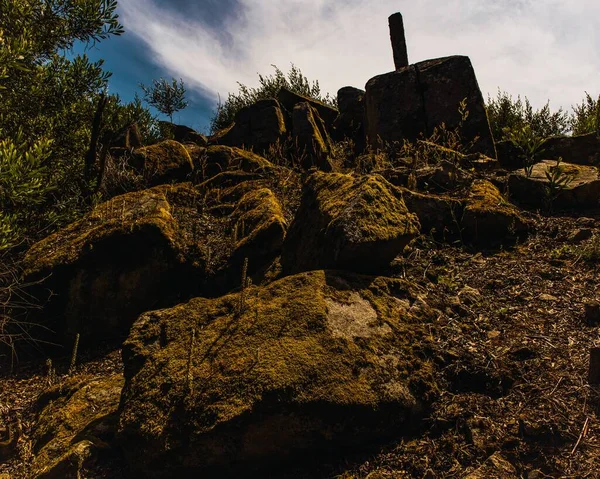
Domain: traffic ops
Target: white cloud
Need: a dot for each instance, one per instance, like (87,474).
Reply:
(543,49)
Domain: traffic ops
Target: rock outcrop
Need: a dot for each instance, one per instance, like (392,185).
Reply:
(350,121)
(413,100)
(311,363)
(359,224)
(150,248)
(288,99)
(579,149)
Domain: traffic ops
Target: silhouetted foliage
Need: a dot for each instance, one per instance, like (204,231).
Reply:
(269,86)
(507,114)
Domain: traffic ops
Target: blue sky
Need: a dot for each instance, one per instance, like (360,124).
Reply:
(542,49)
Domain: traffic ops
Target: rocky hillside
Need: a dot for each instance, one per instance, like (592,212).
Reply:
(379,291)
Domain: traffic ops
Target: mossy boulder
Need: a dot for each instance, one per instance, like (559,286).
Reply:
(149,249)
(489,218)
(580,192)
(259,225)
(216,159)
(311,363)
(344,222)
(75,426)
(164,162)
(311,137)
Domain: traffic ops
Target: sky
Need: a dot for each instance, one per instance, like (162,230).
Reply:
(541,49)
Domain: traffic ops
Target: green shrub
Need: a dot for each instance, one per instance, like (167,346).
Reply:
(506,115)
(268,87)
(586,116)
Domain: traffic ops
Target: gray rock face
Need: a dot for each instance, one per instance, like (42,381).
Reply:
(415,99)
(350,122)
(289,100)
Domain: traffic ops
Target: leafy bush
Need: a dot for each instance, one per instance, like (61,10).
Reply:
(586,116)
(268,87)
(47,107)
(506,114)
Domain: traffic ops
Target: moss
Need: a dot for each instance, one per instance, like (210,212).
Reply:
(278,359)
(488,217)
(138,212)
(133,212)
(258,216)
(81,410)
(343,219)
(163,162)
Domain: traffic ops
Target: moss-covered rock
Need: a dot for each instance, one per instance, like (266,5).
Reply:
(217,159)
(358,224)
(164,162)
(310,363)
(259,225)
(582,189)
(76,424)
(311,137)
(150,249)
(489,218)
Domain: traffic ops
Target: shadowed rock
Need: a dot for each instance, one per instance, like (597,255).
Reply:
(398,40)
(414,100)
(310,137)
(256,127)
(312,363)
(358,224)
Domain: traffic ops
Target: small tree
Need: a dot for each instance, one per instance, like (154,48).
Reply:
(167,97)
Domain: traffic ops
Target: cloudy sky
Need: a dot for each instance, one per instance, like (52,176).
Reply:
(542,49)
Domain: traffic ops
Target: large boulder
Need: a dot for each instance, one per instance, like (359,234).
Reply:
(256,127)
(488,218)
(164,162)
(288,99)
(149,249)
(580,149)
(350,121)
(414,100)
(310,137)
(581,191)
(312,363)
(359,224)
(76,425)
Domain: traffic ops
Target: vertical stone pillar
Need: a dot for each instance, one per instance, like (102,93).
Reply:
(398,41)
